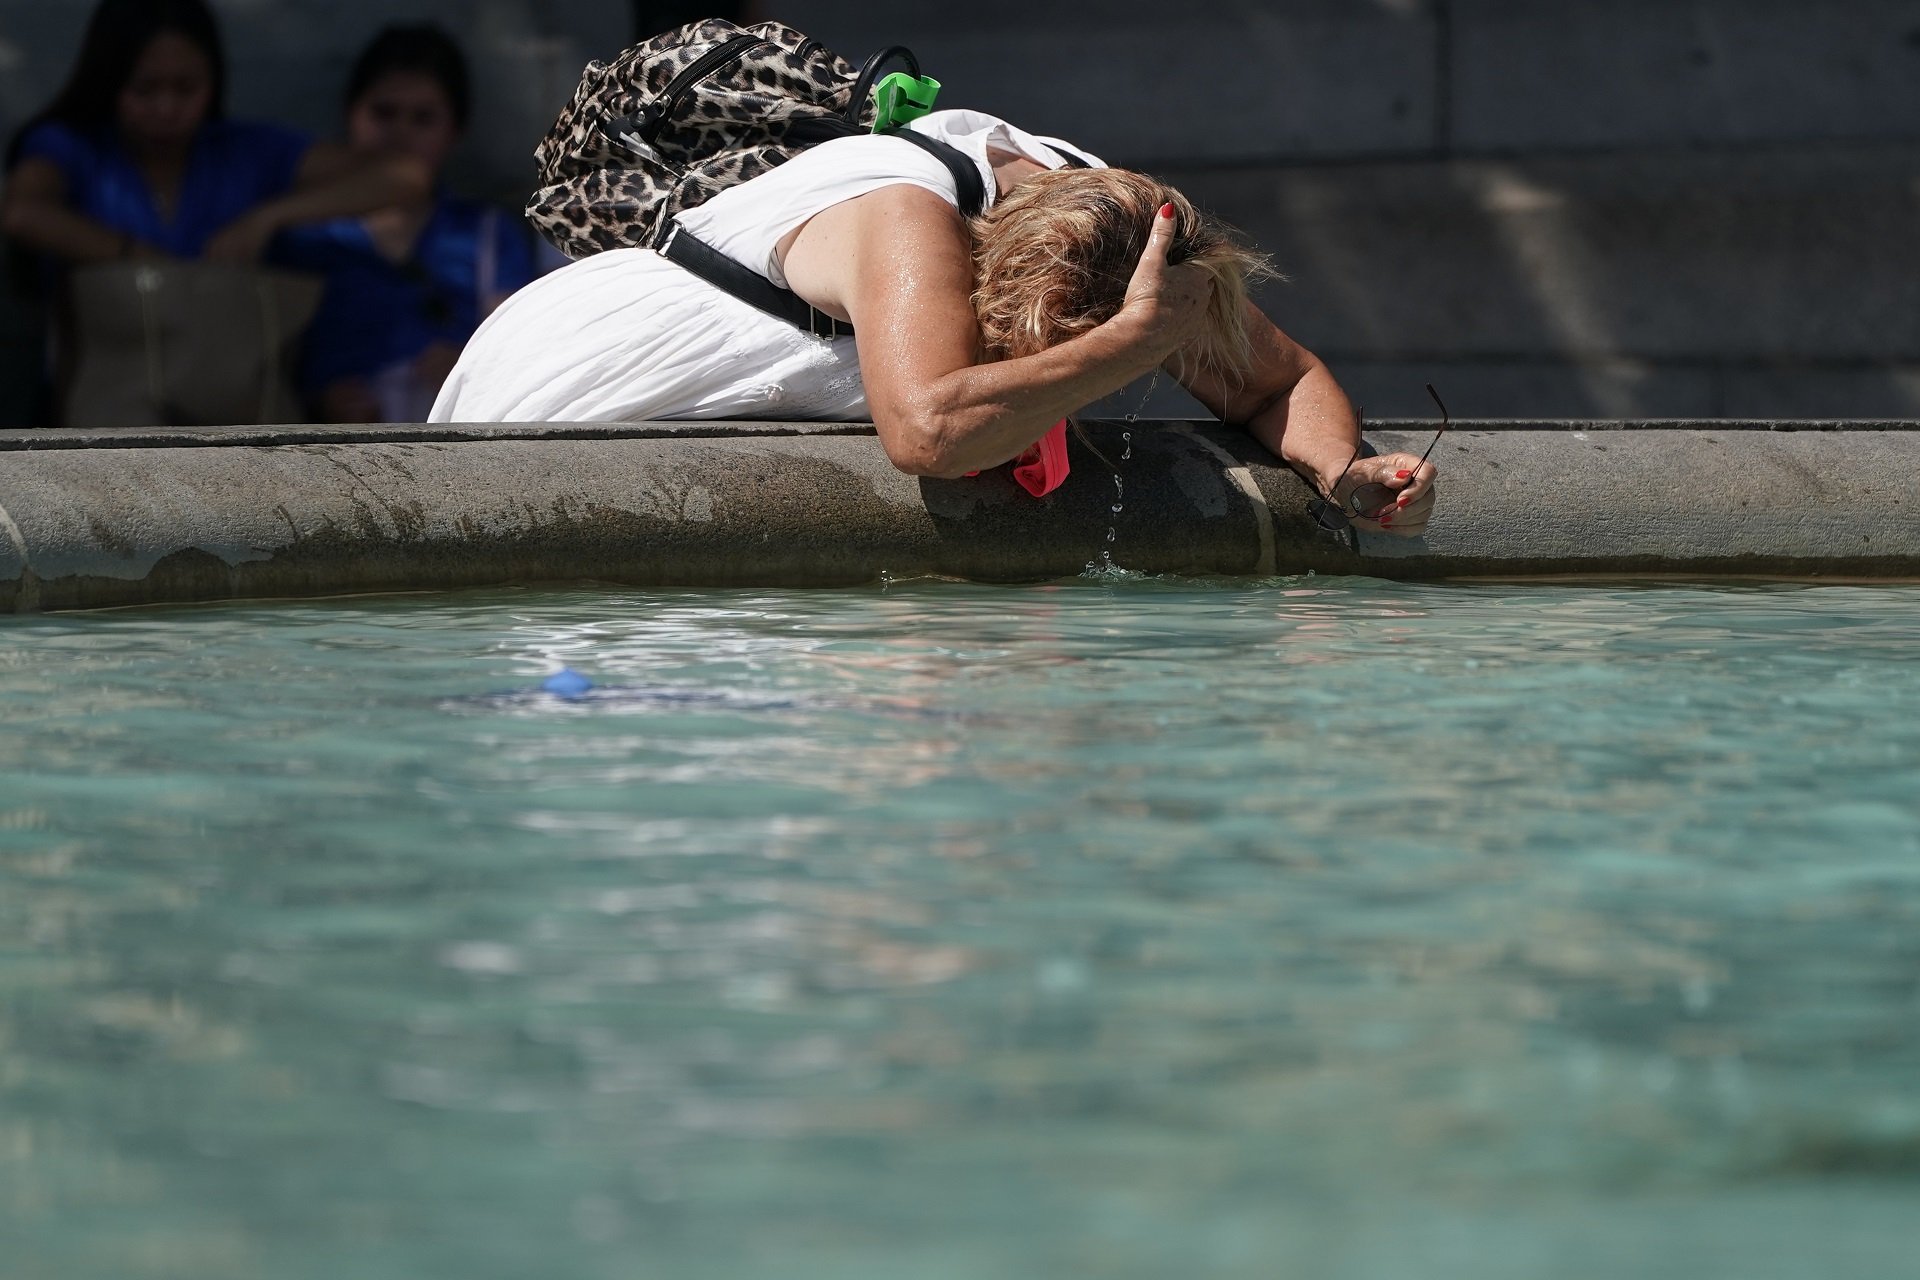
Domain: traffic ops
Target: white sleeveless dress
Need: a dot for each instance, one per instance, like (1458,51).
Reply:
(627,336)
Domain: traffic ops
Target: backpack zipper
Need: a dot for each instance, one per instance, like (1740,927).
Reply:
(654,118)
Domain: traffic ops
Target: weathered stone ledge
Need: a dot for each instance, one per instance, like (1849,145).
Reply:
(117,518)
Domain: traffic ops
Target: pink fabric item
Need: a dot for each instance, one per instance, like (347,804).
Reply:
(1043,467)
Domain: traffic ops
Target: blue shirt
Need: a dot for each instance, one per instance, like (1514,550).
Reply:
(377,313)
(233,167)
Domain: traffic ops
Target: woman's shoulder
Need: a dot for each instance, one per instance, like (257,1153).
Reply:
(747,222)
(978,131)
(841,167)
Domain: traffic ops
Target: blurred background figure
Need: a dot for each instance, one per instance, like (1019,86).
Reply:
(135,156)
(407,284)
(136,159)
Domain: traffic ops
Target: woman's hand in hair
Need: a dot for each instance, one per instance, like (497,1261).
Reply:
(1167,304)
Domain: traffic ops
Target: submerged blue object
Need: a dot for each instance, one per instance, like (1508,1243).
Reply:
(566,683)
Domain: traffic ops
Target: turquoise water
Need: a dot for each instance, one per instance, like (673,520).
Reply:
(1320,928)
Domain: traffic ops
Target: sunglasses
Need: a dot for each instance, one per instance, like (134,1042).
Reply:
(1368,500)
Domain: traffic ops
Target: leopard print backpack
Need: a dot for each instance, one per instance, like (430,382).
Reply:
(680,117)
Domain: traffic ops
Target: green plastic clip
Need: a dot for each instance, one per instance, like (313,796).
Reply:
(900,97)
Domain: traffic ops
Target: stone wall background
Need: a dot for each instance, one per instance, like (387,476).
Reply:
(1610,207)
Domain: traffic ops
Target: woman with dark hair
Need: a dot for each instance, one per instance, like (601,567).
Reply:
(136,157)
(407,284)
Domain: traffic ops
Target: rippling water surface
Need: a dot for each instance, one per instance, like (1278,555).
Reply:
(1316,928)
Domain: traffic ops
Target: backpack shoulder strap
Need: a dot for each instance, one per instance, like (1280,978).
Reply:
(749,286)
(754,289)
(1073,158)
(967,183)
(968,187)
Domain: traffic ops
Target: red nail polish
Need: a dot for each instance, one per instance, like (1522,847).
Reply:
(1401,475)
(1166,210)
(1403,502)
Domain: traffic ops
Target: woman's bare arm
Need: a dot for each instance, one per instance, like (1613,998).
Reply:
(1290,403)
(332,182)
(896,262)
(35,211)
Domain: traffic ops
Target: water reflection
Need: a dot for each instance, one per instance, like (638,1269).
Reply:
(1121,922)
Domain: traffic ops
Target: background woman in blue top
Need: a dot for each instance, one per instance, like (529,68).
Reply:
(406,284)
(135,156)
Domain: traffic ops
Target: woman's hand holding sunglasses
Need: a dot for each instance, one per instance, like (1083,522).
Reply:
(1391,493)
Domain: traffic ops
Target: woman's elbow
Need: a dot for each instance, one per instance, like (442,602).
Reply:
(940,469)
(918,445)
(921,458)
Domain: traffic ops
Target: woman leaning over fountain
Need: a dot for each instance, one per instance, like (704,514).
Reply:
(973,337)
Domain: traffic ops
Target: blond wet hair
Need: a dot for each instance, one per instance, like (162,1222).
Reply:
(1053,257)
